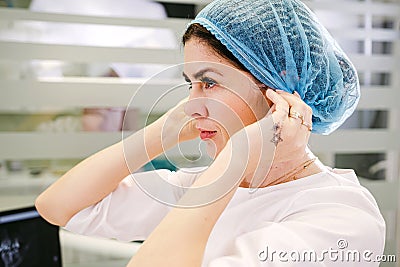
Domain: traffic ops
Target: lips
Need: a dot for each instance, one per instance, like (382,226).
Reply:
(206,134)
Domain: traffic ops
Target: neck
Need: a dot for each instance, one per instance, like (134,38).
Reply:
(282,171)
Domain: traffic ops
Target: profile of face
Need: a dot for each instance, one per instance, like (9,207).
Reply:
(223,99)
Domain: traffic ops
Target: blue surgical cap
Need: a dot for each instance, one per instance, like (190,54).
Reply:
(284,46)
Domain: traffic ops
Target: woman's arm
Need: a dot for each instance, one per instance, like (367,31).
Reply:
(181,237)
(97,176)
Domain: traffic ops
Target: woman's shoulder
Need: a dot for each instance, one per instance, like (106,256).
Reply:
(314,213)
(336,186)
(332,186)
(331,203)
(335,191)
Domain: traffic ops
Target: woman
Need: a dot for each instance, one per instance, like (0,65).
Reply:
(267,200)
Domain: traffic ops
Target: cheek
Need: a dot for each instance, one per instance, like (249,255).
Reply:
(246,114)
(229,127)
(231,113)
(243,112)
(225,114)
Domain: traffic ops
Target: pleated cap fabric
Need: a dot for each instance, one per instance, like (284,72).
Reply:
(282,43)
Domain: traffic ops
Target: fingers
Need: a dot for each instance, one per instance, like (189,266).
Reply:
(298,109)
(303,111)
(299,105)
(280,108)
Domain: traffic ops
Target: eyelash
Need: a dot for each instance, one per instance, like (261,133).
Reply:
(206,83)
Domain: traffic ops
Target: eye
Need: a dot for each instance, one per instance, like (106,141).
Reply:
(207,83)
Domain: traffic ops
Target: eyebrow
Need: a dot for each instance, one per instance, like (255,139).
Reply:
(200,73)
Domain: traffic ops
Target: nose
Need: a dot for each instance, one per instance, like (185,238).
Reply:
(196,105)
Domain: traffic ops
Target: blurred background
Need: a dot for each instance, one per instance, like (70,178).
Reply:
(68,70)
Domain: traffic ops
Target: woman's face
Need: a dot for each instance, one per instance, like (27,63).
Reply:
(223,99)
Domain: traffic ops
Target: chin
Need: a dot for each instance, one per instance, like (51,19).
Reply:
(212,149)
(216,144)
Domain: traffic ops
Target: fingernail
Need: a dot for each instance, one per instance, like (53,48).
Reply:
(280,91)
(270,93)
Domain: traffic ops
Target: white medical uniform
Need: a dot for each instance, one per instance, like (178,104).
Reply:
(325,212)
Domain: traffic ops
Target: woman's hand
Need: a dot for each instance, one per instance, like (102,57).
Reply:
(176,127)
(293,122)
